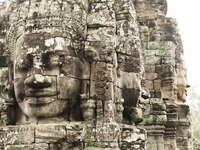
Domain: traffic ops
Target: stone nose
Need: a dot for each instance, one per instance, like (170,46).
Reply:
(38,81)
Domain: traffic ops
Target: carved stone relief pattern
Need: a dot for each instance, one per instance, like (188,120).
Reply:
(91,75)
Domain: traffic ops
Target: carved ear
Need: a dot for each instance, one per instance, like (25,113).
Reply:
(85,85)
(85,69)
(4,83)
(7,97)
(11,92)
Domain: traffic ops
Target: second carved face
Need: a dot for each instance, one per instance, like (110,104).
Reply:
(47,75)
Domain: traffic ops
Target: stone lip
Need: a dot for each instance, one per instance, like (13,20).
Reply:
(40,93)
(40,100)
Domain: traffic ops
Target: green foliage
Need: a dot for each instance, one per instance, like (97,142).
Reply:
(194,102)
(196,144)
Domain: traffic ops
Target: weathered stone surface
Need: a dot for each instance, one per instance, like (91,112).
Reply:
(108,132)
(132,137)
(91,75)
(49,133)
(95,148)
(28,147)
(12,135)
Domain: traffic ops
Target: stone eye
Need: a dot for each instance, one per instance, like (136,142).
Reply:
(46,59)
(25,63)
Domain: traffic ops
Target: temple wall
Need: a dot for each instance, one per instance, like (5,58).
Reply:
(133,87)
(165,78)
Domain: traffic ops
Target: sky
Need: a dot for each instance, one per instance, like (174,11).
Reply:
(186,12)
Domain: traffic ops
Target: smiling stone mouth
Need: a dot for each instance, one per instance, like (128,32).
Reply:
(41,93)
(40,101)
(40,97)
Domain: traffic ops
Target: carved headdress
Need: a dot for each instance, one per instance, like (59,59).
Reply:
(47,16)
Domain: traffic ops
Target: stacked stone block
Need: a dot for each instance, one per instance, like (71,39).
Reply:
(165,76)
(134,78)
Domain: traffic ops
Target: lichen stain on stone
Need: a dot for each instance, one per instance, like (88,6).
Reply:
(91,75)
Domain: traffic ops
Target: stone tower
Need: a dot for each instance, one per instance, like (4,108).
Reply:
(91,75)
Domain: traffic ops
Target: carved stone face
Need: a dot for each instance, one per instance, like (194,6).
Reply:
(47,75)
(181,85)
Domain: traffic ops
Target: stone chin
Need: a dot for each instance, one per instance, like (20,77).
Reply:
(43,107)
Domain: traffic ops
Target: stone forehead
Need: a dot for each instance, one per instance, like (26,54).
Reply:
(45,36)
(35,39)
(43,43)
(65,18)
